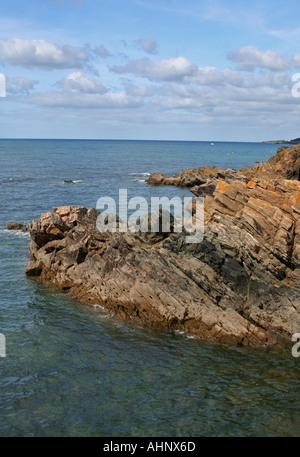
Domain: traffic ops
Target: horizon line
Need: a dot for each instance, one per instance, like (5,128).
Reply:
(132,139)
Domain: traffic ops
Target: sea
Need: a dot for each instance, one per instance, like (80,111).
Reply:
(71,369)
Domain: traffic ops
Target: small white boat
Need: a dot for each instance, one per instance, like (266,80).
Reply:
(212,144)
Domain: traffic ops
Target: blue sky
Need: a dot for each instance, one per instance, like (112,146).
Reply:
(150,69)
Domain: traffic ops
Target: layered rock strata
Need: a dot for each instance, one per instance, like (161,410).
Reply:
(239,285)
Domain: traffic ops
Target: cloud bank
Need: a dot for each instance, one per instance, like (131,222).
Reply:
(254,86)
(41,54)
(160,70)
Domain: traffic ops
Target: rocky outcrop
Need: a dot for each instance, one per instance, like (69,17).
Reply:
(239,285)
(285,164)
(203,181)
(17,226)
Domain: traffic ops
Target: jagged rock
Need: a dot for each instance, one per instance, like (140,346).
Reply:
(239,285)
(17,226)
(286,164)
(139,281)
(196,178)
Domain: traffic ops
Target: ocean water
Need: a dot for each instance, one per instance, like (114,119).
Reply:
(70,369)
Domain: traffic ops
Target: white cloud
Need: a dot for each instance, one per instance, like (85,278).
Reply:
(250,57)
(211,92)
(206,91)
(235,102)
(296,60)
(41,54)
(101,51)
(160,70)
(19,85)
(138,91)
(210,76)
(149,45)
(77,82)
(109,100)
(172,88)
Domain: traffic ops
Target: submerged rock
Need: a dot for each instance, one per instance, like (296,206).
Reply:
(17,226)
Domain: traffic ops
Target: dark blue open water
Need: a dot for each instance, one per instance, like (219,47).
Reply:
(71,370)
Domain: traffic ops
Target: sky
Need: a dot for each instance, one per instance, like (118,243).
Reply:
(199,70)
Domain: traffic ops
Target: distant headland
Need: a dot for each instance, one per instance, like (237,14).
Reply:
(295,141)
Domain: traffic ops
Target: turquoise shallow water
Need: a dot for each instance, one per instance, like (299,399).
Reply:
(71,370)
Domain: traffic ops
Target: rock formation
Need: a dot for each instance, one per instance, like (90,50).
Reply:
(239,285)
(202,181)
(17,226)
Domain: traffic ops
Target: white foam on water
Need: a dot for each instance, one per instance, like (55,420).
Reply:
(16,233)
(139,176)
(98,306)
(102,312)
(179,332)
(182,333)
(139,180)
